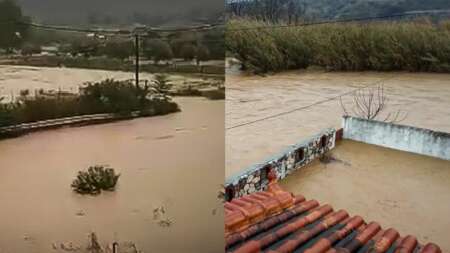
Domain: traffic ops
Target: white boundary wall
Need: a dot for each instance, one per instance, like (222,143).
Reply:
(400,137)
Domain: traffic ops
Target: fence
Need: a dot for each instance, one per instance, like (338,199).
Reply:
(19,129)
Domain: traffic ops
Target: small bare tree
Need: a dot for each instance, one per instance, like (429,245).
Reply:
(371,103)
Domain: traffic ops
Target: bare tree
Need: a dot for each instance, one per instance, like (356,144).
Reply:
(372,103)
(295,9)
(268,10)
(238,8)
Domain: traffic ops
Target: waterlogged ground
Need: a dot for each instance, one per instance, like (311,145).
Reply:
(175,162)
(13,79)
(424,97)
(405,191)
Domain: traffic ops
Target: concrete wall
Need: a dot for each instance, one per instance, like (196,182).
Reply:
(255,179)
(400,137)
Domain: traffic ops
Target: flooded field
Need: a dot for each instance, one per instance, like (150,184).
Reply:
(424,97)
(13,79)
(175,162)
(405,191)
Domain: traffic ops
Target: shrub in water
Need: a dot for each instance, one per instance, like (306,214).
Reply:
(94,180)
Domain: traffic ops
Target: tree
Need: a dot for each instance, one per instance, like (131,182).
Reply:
(12,33)
(178,40)
(370,103)
(295,9)
(202,54)
(30,49)
(158,50)
(84,46)
(238,7)
(117,49)
(188,52)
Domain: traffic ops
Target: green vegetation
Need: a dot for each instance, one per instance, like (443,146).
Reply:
(106,63)
(12,35)
(188,52)
(109,96)
(386,46)
(202,54)
(216,94)
(28,45)
(158,50)
(94,180)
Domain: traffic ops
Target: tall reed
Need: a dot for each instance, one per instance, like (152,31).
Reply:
(418,45)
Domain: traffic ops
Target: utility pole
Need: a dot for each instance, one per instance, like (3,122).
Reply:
(136,37)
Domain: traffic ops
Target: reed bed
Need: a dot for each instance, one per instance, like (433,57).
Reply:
(415,45)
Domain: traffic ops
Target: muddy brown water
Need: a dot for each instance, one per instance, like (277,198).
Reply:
(424,97)
(13,79)
(400,190)
(174,161)
(408,192)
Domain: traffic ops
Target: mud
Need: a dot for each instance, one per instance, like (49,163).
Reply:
(405,191)
(424,97)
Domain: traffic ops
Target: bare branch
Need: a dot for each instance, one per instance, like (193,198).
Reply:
(370,103)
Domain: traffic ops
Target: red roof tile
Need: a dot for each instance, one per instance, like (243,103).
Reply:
(276,221)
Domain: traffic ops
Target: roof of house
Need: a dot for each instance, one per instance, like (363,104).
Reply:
(277,221)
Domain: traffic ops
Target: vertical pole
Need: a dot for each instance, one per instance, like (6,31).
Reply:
(137,59)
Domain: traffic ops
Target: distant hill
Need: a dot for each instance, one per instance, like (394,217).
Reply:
(151,12)
(331,9)
(360,8)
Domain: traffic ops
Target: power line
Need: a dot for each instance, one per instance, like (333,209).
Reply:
(308,106)
(349,20)
(113,31)
(188,29)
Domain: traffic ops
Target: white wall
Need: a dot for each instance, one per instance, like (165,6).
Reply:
(405,138)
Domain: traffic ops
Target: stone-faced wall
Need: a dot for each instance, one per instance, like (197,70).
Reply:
(255,178)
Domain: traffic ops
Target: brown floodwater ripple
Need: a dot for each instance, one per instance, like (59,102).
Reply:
(166,199)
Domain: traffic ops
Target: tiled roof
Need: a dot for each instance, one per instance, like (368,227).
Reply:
(276,221)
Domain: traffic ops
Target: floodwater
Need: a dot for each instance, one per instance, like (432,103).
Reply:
(405,191)
(424,97)
(13,79)
(174,161)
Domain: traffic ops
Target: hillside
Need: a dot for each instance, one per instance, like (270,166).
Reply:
(154,12)
(330,9)
(384,7)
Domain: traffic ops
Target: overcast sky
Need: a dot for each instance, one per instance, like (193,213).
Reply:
(70,11)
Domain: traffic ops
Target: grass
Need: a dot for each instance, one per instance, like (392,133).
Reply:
(418,46)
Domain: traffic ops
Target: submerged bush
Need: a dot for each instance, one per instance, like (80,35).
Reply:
(383,46)
(94,180)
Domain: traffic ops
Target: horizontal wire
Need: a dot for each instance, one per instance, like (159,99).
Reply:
(349,20)
(308,106)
